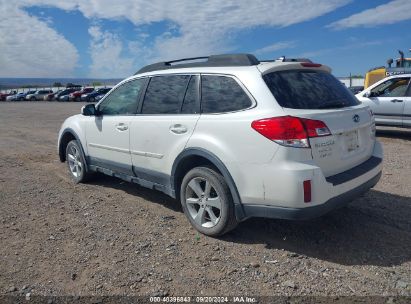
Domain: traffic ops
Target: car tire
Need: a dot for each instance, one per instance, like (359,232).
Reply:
(207,202)
(92,99)
(76,163)
(78,99)
(32,98)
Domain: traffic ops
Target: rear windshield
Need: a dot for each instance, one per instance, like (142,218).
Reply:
(305,89)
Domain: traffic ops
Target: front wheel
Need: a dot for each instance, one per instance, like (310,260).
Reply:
(76,163)
(207,202)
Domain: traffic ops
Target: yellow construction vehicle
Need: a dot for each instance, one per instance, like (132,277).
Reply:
(402,66)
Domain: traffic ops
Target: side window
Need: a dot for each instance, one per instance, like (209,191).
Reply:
(391,88)
(222,94)
(190,99)
(123,100)
(165,94)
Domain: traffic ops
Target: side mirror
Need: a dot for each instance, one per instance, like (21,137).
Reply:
(367,94)
(89,110)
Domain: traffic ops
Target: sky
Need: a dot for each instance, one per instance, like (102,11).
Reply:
(113,39)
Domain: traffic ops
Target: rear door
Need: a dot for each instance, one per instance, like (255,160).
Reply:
(318,95)
(387,100)
(168,115)
(108,134)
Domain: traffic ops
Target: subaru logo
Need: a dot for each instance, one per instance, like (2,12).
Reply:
(356,118)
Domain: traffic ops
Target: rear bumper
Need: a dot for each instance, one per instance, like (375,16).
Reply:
(307,212)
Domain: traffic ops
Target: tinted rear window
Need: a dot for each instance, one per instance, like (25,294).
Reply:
(165,94)
(303,89)
(190,105)
(222,94)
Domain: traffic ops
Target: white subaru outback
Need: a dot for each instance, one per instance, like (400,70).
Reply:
(231,138)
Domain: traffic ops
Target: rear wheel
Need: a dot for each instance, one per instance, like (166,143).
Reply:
(207,201)
(78,99)
(33,98)
(76,163)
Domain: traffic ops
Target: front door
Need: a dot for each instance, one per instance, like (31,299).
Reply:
(406,116)
(108,134)
(387,100)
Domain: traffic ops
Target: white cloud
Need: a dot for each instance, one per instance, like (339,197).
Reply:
(106,54)
(209,27)
(275,47)
(30,48)
(200,27)
(389,13)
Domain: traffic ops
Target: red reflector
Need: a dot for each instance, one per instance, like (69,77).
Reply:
(307,191)
(310,65)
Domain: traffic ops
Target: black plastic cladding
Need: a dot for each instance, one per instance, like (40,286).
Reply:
(212,61)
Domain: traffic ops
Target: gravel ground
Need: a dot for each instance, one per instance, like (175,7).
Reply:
(109,237)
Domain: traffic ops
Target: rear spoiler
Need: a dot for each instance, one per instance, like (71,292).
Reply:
(281,66)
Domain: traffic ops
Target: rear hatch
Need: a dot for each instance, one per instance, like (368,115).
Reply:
(314,94)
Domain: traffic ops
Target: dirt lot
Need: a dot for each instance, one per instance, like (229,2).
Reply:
(110,237)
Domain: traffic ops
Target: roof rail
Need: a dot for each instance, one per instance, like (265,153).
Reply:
(208,61)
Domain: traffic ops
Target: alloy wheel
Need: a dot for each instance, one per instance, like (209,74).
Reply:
(74,160)
(203,202)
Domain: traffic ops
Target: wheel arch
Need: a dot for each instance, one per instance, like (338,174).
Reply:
(66,136)
(194,157)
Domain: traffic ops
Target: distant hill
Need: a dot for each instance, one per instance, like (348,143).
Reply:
(11,83)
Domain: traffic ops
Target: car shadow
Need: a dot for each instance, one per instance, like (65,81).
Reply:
(136,190)
(375,229)
(399,133)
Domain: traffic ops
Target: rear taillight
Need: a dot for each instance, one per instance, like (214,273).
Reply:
(315,128)
(290,131)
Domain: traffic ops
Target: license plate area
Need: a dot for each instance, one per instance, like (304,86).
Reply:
(351,141)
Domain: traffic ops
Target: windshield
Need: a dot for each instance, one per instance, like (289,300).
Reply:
(307,89)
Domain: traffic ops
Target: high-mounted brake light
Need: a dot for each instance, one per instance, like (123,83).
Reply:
(310,65)
(291,131)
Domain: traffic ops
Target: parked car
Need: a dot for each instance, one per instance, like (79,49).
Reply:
(38,95)
(22,96)
(98,97)
(91,97)
(76,96)
(64,98)
(390,100)
(356,89)
(3,96)
(279,139)
(65,92)
(12,97)
(51,96)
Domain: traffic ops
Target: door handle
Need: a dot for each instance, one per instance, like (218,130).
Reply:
(396,100)
(178,129)
(121,127)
